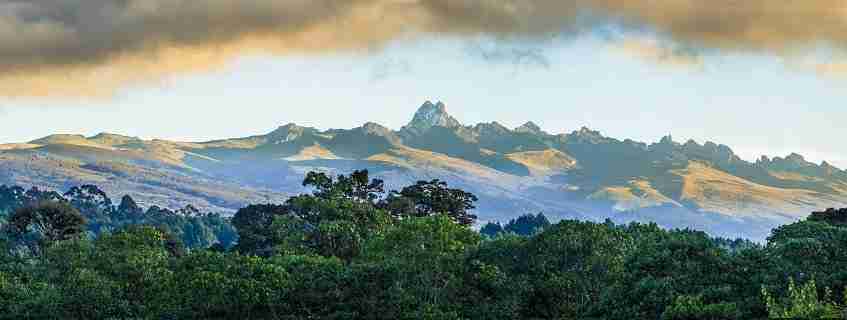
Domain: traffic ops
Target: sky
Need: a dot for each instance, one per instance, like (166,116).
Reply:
(742,87)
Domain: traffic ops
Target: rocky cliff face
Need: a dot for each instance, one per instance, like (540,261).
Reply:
(432,115)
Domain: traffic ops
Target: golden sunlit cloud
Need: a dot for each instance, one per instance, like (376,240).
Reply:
(832,69)
(657,53)
(93,47)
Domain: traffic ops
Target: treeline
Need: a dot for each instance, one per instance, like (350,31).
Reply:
(525,225)
(349,250)
(193,228)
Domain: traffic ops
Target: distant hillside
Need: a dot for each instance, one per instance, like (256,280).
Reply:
(582,174)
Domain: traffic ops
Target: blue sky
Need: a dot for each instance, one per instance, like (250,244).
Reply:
(754,103)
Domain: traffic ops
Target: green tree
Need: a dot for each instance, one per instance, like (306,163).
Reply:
(129,209)
(525,225)
(571,265)
(802,302)
(836,217)
(811,250)
(320,287)
(138,259)
(426,198)
(253,226)
(425,258)
(22,298)
(88,294)
(48,221)
(358,186)
(692,307)
(232,286)
(663,266)
(334,221)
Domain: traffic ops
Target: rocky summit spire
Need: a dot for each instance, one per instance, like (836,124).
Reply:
(432,115)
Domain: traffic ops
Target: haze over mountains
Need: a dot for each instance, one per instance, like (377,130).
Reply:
(581,174)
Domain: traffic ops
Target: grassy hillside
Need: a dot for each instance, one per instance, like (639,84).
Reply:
(581,174)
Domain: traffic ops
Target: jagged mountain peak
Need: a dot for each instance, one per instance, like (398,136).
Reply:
(667,140)
(288,126)
(377,129)
(432,115)
(792,161)
(493,127)
(286,133)
(796,158)
(830,169)
(691,143)
(588,131)
(587,134)
(670,148)
(373,126)
(717,148)
(795,162)
(529,127)
(825,164)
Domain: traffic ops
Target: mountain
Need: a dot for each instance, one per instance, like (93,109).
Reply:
(431,115)
(582,174)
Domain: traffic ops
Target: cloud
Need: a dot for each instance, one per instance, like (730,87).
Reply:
(832,68)
(390,67)
(659,53)
(521,55)
(825,63)
(92,47)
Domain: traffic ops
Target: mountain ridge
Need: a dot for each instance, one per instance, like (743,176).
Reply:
(578,174)
(433,115)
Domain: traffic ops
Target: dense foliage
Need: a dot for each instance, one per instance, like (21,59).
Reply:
(351,250)
(525,225)
(193,228)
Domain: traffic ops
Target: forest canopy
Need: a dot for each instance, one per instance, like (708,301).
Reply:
(352,250)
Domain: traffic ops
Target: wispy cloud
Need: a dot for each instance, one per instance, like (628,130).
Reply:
(521,54)
(838,68)
(390,67)
(91,47)
(659,53)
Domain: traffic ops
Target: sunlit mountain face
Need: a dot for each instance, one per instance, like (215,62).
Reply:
(583,174)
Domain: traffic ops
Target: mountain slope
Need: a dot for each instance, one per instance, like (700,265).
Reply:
(581,174)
